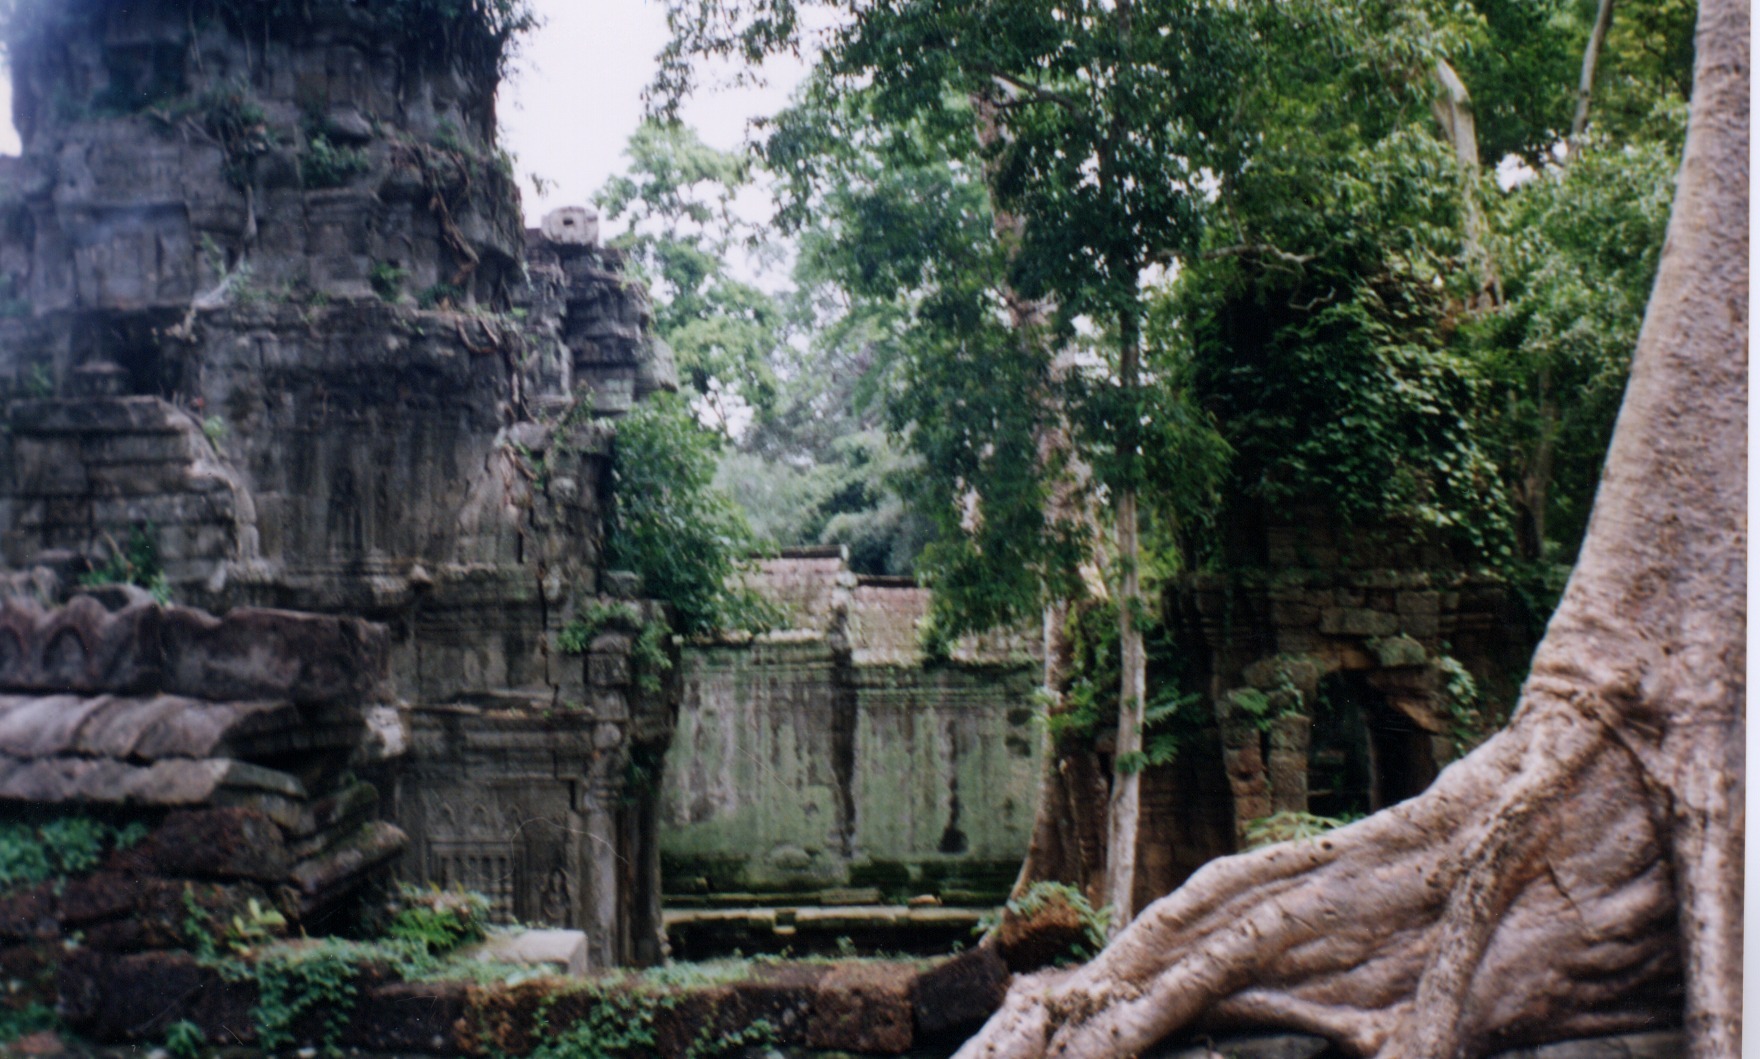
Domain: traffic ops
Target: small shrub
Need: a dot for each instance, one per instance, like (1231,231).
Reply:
(137,564)
(387,281)
(22,1022)
(647,651)
(441,296)
(325,165)
(1043,896)
(1291,827)
(57,848)
(293,983)
(185,1040)
(39,383)
(617,1024)
(686,539)
(437,921)
(238,123)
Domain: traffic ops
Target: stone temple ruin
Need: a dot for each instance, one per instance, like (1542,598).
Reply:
(271,315)
(830,766)
(275,345)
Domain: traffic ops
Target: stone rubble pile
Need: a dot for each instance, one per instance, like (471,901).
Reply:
(231,741)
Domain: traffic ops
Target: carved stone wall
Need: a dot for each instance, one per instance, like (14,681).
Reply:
(1329,670)
(833,763)
(266,303)
(232,744)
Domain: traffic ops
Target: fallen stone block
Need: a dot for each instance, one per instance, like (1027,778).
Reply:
(560,951)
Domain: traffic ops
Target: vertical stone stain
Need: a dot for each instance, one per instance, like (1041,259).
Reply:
(953,839)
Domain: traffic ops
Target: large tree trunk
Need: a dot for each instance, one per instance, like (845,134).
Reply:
(1580,873)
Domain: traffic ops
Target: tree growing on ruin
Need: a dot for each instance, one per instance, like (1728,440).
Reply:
(1581,873)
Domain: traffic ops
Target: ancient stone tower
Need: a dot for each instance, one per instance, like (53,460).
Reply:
(270,324)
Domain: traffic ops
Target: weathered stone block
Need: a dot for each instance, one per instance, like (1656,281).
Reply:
(1356,621)
(1399,651)
(956,997)
(1419,602)
(1421,626)
(48,468)
(560,951)
(81,647)
(114,999)
(29,914)
(274,654)
(401,1017)
(1295,614)
(219,844)
(863,1008)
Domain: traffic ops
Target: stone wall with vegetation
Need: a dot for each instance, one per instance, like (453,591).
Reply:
(834,763)
(1344,672)
(274,336)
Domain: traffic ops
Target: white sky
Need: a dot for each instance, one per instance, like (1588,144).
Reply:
(576,95)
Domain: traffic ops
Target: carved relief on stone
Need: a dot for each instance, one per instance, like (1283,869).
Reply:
(556,905)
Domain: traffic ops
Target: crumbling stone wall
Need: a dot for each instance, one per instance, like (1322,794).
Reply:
(1334,641)
(265,298)
(231,745)
(834,763)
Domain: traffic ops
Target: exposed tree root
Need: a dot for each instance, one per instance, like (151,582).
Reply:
(1551,913)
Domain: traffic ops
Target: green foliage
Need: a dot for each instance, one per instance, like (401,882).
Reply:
(185,1040)
(1291,827)
(578,634)
(24,1021)
(845,490)
(325,165)
(685,539)
(441,295)
(711,1045)
(1579,246)
(233,117)
(476,33)
(1324,354)
(387,281)
(648,650)
(683,233)
(137,564)
(39,382)
(58,847)
(1042,895)
(617,1024)
(437,921)
(1172,717)
(292,983)
(1470,722)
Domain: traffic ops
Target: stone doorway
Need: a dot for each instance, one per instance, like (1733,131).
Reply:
(1365,754)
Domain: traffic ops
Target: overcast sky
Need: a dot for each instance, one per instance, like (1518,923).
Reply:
(576,96)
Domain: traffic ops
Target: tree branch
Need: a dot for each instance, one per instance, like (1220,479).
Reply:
(1033,91)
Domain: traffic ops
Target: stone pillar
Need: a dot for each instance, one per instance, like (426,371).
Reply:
(1243,759)
(1289,763)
